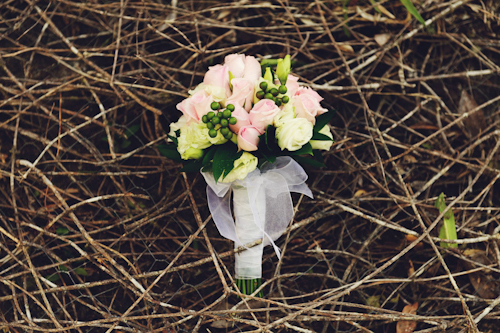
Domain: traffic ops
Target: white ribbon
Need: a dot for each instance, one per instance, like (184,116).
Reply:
(269,199)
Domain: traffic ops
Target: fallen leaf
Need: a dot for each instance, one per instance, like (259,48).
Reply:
(225,321)
(345,47)
(382,39)
(411,269)
(373,301)
(474,124)
(384,11)
(409,159)
(369,17)
(406,326)
(359,193)
(485,285)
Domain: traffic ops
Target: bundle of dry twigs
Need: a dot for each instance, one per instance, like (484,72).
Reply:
(100,232)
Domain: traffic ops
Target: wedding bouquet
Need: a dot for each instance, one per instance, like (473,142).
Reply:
(245,127)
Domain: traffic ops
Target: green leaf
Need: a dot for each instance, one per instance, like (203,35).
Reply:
(269,137)
(412,10)
(170,151)
(448,230)
(126,143)
(53,277)
(346,17)
(268,156)
(309,161)
(323,119)
(268,148)
(174,139)
(207,168)
(81,271)
(209,155)
(62,231)
(306,149)
(132,130)
(375,5)
(63,268)
(318,156)
(321,137)
(223,161)
(192,166)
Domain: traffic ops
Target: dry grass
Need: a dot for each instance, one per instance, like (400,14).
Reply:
(101,233)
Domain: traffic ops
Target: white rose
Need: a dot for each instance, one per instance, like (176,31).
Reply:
(176,126)
(323,144)
(284,115)
(294,134)
(217,93)
(193,136)
(242,167)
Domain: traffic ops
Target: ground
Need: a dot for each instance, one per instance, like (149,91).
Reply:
(101,232)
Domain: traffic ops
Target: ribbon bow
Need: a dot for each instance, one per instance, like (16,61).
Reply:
(273,182)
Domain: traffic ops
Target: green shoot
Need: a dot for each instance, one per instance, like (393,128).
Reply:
(412,10)
(448,230)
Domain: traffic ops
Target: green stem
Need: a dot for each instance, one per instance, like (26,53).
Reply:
(248,286)
(268,62)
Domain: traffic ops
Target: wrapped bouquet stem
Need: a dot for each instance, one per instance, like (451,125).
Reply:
(262,207)
(247,264)
(246,127)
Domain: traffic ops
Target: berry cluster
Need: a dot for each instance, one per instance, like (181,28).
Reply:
(219,120)
(272,93)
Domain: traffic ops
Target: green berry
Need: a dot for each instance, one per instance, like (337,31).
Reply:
(274,92)
(212,133)
(277,101)
(215,120)
(210,125)
(227,113)
(229,135)
(215,106)
(282,89)
(285,99)
(268,96)
(224,131)
(204,119)
(263,85)
(233,120)
(260,94)
(210,115)
(224,122)
(230,107)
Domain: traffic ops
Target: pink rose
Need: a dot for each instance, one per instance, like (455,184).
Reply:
(243,90)
(242,66)
(306,103)
(253,71)
(236,64)
(242,117)
(218,76)
(248,138)
(292,85)
(195,106)
(262,113)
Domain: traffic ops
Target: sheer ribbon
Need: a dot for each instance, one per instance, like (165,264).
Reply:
(269,198)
